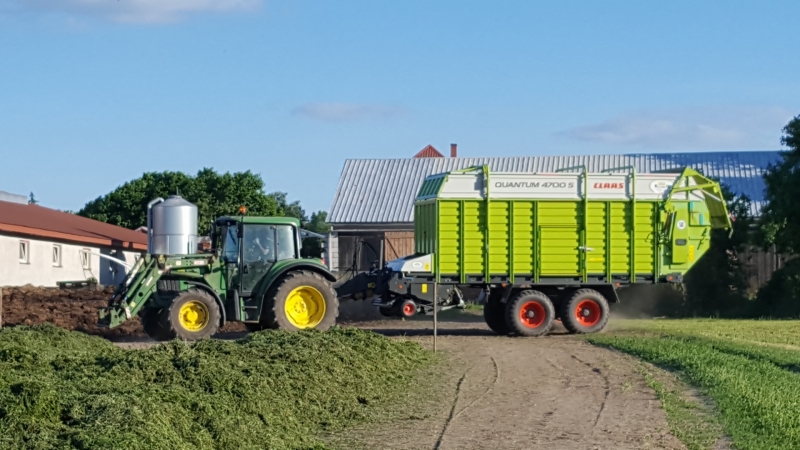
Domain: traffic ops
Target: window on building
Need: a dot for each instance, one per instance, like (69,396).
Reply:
(56,255)
(86,258)
(24,252)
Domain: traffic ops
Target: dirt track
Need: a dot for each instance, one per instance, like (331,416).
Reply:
(555,392)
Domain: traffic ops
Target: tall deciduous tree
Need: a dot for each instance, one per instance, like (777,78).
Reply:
(782,213)
(214,194)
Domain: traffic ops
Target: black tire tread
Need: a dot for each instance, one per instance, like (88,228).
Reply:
(153,324)
(511,316)
(568,320)
(494,316)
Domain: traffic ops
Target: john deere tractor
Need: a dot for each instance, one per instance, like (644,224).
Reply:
(253,273)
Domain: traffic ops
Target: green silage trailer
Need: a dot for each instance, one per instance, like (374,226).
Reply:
(543,247)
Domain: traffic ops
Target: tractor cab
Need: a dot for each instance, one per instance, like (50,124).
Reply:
(250,246)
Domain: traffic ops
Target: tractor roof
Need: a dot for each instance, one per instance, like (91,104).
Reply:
(260,220)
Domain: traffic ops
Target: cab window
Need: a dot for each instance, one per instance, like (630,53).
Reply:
(230,249)
(287,246)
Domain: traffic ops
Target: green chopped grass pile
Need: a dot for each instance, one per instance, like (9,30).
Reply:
(751,369)
(62,389)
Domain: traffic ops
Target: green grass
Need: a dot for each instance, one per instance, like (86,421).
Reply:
(61,389)
(691,422)
(750,369)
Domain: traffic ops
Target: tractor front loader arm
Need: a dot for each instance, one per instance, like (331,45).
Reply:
(132,294)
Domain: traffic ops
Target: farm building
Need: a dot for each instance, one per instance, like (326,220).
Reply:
(373,205)
(42,246)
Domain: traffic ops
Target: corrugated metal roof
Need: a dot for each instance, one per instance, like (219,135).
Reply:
(383,190)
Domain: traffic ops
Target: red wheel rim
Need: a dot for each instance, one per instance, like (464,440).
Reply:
(408,309)
(588,312)
(532,314)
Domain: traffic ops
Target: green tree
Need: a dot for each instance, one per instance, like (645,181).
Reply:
(214,194)
(781,218)
(317,224)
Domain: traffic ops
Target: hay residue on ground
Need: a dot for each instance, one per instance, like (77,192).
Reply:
(62,389)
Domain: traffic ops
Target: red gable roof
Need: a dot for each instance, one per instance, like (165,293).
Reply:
(34,220)
(429,152)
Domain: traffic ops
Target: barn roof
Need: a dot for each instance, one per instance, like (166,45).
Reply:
(383,190)
(41,222)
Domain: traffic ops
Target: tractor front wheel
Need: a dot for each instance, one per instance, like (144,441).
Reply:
(193,315)
(302,300)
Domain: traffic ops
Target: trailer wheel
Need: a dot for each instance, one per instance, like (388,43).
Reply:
(302,300)
(193,315)
(386,312)
(153,324)
(406,309)
(529,313)
(586,312)
(494,316)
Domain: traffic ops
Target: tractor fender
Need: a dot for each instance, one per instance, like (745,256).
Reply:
(214,294)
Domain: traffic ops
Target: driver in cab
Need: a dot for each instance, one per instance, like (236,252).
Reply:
(262,244)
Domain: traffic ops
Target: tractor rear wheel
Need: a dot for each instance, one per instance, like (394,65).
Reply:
(529,313)
(153,324)
(302,300)
(193,315)
(494,314)
(586,312)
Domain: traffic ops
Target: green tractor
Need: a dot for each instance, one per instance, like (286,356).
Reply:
(253,273)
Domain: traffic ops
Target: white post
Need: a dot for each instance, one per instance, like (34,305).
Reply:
(435,309)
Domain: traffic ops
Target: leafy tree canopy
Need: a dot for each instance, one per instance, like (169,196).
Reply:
(214,194)
(781,214)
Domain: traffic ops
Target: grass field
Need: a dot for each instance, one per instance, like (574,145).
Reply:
(62,389)
(750,369)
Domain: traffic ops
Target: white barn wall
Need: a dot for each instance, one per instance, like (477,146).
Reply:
(40,271)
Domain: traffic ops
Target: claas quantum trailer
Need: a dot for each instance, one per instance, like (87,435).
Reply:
(254,273)
(545,247)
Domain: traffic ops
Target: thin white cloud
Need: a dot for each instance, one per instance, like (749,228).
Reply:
(131,11)
(700,128)
(347,112)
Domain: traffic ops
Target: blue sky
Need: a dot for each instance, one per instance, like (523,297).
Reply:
(95,92)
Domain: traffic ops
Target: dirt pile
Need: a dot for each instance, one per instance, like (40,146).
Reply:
(69,309)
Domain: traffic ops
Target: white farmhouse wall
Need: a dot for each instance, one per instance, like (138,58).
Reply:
(40,270)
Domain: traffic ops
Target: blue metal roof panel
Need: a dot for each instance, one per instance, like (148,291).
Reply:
(383,190)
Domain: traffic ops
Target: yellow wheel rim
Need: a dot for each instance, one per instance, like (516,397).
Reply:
(193,315)
(305,307)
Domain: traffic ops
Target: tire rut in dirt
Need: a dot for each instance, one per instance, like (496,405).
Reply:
(275,314)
